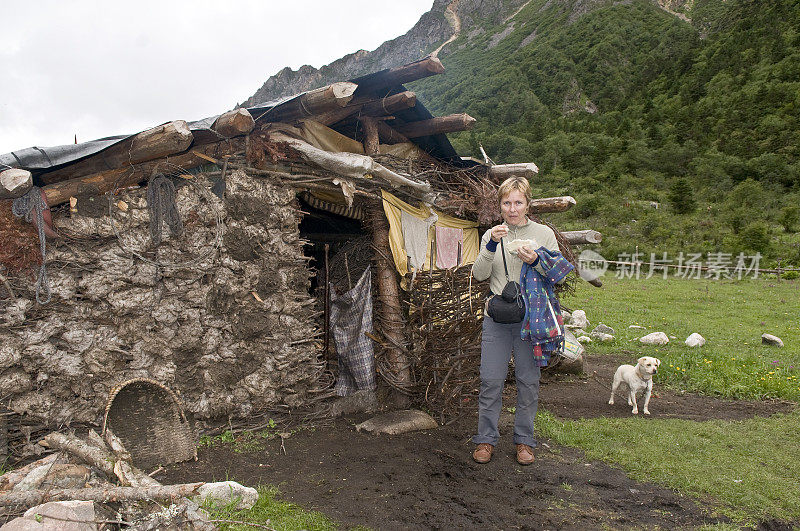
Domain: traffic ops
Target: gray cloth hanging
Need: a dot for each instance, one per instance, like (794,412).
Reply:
(351,316)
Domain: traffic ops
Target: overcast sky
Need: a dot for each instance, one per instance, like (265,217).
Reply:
(102,68)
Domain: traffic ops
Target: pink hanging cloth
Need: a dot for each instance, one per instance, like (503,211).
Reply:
(449,243)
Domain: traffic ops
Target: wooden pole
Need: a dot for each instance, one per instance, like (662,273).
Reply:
(371,144)
(580,237)
(319,101)
(503,171)
(371,107)
(435,126)
(105,181)
(100,494)
(551,204)
(388,135)
(234,123)
(392,77)
(326,306)
(164,140)
(15,182)
(10,479)
(389,308)
(391,104)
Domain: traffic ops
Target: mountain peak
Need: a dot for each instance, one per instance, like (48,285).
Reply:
(433,29)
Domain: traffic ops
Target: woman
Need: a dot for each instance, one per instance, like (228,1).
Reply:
(498,341)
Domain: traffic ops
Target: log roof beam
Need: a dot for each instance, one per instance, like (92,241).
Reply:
(440,124)
(429,66)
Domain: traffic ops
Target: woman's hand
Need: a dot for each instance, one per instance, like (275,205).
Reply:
(498,232)
(527,255)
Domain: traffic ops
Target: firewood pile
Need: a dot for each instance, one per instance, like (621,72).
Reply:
(92,483)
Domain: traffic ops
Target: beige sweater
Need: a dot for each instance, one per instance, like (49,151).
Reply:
(490,264)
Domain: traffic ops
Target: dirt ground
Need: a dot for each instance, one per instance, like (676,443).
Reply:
(427,480)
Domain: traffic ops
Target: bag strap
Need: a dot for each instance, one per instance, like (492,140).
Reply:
(505,267)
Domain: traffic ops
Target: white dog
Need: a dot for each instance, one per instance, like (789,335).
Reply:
(636,378)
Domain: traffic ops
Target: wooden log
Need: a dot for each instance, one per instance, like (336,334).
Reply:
(351,165)
(503,171)
(101,494)
(319,101)
(435,126)
(97,455)
(123,469)
(392,77)
(105,181)
(168,139)
(234,123)
(389,308)
(391,104)
(388,135)
(99,458)
(371,107)
(371,143)
(11,478)
(551,204)
(15,182)
(582,237)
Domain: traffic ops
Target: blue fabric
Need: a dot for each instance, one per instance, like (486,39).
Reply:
(491,245)
(540,326)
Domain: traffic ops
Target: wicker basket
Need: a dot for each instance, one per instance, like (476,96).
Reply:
(149,419)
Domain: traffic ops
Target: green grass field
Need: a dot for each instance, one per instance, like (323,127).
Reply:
(746,470)
(731,315)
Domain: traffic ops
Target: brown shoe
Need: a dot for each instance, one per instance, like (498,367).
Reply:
(483,453)
(524,454)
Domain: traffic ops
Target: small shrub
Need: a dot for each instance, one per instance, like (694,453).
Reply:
(755,237)
(789,217)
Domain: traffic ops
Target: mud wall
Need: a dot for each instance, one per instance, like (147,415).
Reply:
(232,333)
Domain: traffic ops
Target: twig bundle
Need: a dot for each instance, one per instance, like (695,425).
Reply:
(444,325)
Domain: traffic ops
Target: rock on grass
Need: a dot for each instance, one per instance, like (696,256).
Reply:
(769,339)
(656,338)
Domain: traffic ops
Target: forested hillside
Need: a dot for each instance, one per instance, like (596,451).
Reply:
(622,104)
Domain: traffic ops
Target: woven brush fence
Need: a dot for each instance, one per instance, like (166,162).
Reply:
(444,328)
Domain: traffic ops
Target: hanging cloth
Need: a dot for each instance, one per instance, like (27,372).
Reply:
(449,245)
(415,238)
(393,207)
(351,317)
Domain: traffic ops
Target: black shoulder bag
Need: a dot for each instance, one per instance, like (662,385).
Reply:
(509,306)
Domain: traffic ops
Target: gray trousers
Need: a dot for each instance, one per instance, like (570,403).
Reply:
(497,343)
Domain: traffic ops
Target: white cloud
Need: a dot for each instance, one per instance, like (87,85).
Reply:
(97,69)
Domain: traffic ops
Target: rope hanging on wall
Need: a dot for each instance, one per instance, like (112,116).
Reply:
(161,204)
(29,205)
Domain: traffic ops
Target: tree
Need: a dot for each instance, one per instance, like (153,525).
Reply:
(681,196)
(789,217)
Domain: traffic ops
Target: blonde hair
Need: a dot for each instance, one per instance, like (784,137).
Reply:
(514,183)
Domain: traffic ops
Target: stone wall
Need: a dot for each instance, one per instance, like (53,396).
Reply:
(232,334)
